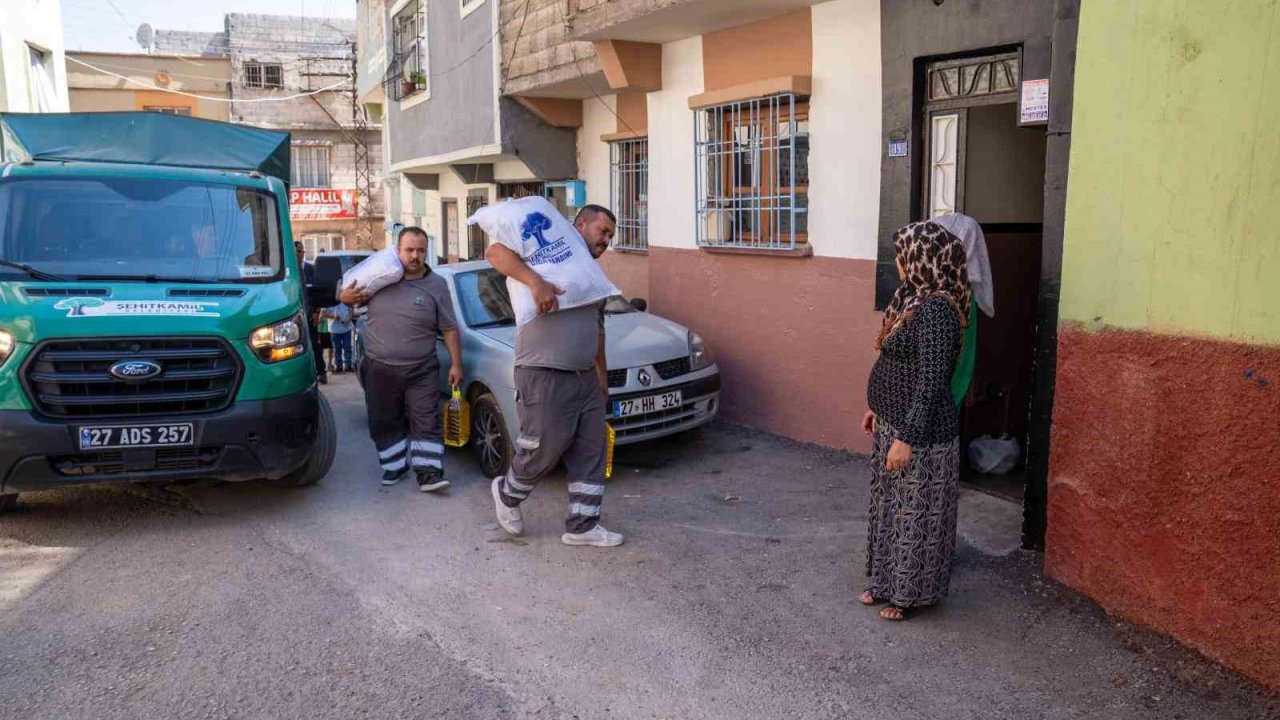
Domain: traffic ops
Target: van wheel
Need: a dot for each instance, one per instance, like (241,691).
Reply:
(8,501)
(321,455)
(489,436)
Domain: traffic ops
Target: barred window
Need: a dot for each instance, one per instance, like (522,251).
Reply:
(263,75)
(753,173)
(310,166)
(629,193)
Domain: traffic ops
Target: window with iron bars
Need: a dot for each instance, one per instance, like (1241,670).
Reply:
(629,193)
(753,174)
(408,69)
(263,75)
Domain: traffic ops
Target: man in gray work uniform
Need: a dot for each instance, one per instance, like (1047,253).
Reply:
(562,389)
(400,370)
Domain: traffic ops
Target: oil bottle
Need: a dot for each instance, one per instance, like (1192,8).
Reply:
(457,420)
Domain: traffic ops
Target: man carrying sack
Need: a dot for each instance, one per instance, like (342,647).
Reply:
(561,379)
(401,371)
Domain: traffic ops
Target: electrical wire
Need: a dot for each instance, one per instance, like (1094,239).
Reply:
(149,86)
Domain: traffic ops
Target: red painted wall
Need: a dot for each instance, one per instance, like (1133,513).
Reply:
(1164,488)
(794,338)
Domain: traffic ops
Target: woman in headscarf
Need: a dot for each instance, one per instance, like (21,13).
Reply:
(915,461)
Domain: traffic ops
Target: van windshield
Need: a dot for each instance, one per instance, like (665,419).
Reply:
(138,229)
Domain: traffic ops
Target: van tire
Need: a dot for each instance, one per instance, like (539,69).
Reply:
(8,501)
(489,440)
(321,454)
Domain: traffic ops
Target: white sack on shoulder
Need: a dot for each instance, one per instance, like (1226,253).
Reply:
(549,244)
(375,272)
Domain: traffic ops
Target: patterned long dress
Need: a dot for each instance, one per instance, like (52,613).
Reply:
(911,535)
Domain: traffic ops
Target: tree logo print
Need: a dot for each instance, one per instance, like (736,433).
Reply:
(535,226)
(76,305)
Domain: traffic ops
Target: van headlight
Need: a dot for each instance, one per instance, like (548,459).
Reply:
(699,353)
(281,341)
(6,345)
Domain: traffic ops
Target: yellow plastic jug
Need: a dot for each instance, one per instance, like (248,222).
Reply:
(457,420)
(608,456)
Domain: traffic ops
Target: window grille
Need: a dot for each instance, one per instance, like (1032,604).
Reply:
(753,173)
(629,193)
(263,75)
(310,166)
(167,110)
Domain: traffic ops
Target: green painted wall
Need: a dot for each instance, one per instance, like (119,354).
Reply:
(1173,208)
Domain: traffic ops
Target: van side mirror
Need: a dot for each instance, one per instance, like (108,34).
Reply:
(639,304)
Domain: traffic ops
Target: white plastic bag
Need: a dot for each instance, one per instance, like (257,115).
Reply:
(551,247)
(375,272)
(994,456)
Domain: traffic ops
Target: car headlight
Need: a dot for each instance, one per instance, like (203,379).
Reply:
(6,345)
(699,353)
(281,341)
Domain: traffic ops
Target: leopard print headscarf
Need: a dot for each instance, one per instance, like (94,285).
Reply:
(936,266)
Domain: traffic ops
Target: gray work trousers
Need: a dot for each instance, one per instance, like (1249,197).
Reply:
(562,417)
(403,402)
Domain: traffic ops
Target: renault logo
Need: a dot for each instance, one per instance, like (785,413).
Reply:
(135,370)
(645,378)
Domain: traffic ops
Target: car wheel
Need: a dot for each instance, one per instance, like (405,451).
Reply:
(317,466)
(489,436)
(8,501)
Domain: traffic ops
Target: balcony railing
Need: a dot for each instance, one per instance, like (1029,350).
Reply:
(407,72)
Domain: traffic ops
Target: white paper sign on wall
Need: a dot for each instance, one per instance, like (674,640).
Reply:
(1035,102)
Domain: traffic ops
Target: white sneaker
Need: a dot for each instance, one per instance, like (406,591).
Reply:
(508,517)
(595,537)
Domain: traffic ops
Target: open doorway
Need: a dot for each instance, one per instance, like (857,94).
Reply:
(980,162)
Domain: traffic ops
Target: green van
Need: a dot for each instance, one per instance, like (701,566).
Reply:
(152,310)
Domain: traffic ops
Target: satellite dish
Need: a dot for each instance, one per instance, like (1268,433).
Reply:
(145,36)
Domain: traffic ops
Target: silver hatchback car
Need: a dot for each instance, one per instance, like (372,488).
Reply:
(662,378)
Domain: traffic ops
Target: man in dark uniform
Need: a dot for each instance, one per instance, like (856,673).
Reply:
(313,318)
(401,371)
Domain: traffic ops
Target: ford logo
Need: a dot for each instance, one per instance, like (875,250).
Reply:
(134,370)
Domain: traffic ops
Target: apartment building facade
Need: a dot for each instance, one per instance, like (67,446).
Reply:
(297,75)
(453,142)
(33,76)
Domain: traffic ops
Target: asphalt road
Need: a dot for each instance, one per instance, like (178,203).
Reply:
(733,598)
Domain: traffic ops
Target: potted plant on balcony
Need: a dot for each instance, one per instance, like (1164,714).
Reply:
(413,82)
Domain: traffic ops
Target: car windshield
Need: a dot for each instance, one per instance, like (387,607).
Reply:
(485,302)
(135,229)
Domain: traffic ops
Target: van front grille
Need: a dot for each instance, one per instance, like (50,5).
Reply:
(72,379)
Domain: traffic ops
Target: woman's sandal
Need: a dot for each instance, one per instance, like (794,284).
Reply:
(893,613)
(866,598)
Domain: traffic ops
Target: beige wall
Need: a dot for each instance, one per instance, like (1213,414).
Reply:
(152,81)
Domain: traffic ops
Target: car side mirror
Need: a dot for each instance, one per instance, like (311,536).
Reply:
(639,304)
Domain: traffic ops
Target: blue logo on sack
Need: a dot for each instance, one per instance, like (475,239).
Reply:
(535,226)
(549,252)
